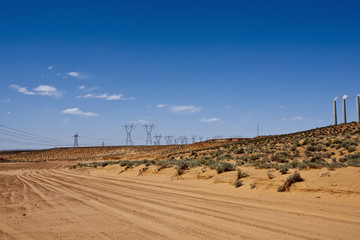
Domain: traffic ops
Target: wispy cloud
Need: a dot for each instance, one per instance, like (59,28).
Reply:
(50,67)
(210,120)
(301,118)
(73,74)
(77,111)
(160,105)
(140,121)
(283,107)
(86,89)
(297,118)
(185,109)
(105,96)
(42,90)
(8,113)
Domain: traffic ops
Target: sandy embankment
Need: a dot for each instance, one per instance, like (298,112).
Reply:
(49,201)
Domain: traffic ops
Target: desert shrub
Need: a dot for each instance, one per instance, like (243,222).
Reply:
(225,167)
(296,164)
(130,164)
(223,157)
(353,159)
(270,175)
(238,183)
(239,151)
(293,178)
(252,185)
(311,148)
(124,163)
(241,174)
(351,148)
(142,170)
(280,157)
(293,147)
(332,166)
(283,170)
(181,167)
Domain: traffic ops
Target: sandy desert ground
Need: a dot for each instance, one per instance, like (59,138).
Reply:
(187,191)
(50,201)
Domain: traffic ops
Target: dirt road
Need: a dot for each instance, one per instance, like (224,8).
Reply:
(58,203)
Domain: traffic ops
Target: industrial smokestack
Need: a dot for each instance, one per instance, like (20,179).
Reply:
(358,108)
(344,108)
(335,112)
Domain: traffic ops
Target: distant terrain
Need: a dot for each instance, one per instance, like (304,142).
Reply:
(304,185)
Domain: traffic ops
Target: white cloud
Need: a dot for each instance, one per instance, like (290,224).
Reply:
(160,105)
(210,120)
(77,111)
(8,113)
(43,90)
(73,74)
(105,96)
(7,100)
(283,107)
(184,109)
(297,118)
(284,119)
(22,90)
(50,67)
(141,121)
(82,87)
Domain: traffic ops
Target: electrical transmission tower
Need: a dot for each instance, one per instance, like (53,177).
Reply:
(200,139)
(184,139)
(148,128)
(177,140)
(168,140)
(76,142)
(128,129)
(193,138)
(157,139)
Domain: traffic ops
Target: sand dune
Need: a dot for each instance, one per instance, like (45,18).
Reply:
(50,201)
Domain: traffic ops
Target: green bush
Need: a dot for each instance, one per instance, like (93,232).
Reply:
(225,167)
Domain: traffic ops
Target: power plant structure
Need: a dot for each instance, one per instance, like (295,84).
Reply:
(344,107)
(335,111)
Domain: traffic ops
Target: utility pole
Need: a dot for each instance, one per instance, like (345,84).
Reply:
(128,129)
(193,138)
(157,139)
(168,140)
(148,128)
(76,142)
(185,140)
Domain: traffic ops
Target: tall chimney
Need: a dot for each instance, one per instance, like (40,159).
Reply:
(358,108)
(335,112)
(344,108)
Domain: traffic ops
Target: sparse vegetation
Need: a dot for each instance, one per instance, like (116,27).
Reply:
(293,178)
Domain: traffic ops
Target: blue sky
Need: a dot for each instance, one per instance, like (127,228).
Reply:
(190,67)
